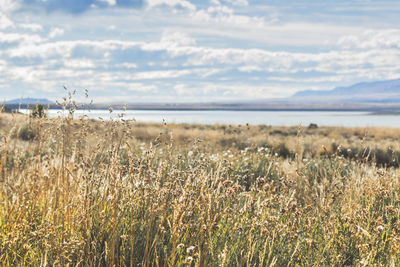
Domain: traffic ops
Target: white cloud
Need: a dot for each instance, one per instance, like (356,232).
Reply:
(204,50)
(109,2)
(248,68)
(181,89)
(325,79)
(238,2)
(162,74)
(64,48)
(372,39)
(34,27)
(340,64)
(140,87)
(171,3)
(169,39)
(56,32)
(22,39)
(238,90)
(5,22)
(79,63)
(211,71)
(226,15)
(8,5)
(249,60)
(35,77)
(43,50)
(127,65)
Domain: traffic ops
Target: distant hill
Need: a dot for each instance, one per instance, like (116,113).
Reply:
(29,101)
(367,92)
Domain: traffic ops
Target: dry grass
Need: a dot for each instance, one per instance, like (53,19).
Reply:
(89,193)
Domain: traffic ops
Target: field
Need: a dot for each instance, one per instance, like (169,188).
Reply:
(80,192)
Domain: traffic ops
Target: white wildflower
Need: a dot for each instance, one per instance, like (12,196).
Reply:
(190,249)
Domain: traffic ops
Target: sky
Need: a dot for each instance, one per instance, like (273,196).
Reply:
(192,50)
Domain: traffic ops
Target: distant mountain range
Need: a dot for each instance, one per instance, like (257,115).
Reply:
(367,92)
(380,96)
(29,101)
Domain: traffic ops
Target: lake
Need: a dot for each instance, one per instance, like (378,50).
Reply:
(274,118)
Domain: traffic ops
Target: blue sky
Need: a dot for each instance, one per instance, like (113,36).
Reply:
(192,50)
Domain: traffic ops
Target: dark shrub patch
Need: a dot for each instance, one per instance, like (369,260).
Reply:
(282,151)
(26,133)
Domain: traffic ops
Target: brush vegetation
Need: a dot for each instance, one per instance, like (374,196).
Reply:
(80,192)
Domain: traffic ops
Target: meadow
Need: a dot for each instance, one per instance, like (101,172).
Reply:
(79,192)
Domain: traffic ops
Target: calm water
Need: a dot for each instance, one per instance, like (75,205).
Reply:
(274,118)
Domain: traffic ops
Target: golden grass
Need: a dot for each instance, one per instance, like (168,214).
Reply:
(90,193)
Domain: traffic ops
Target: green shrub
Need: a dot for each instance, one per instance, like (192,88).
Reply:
(38,111)
(282,151)
(26,133)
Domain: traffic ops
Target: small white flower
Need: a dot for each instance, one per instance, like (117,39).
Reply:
(190,153)
(213,157)
(190,249)
(139,184)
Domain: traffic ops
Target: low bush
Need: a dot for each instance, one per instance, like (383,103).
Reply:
(26,133)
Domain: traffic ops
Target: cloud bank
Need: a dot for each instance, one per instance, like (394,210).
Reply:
(78,6)
(181,50)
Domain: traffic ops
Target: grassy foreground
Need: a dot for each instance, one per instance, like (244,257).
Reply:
(90,193)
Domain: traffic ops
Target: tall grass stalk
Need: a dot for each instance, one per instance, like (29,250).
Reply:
(121,193)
